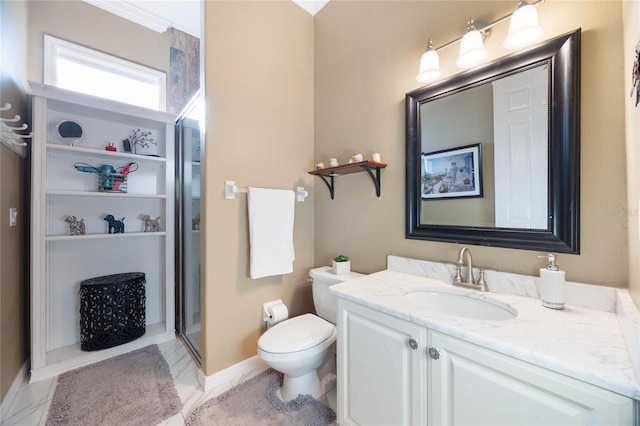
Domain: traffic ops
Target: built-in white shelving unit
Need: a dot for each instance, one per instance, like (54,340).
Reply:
(59,261)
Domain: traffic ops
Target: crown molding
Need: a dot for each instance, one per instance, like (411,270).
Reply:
(311,6)
(133,13)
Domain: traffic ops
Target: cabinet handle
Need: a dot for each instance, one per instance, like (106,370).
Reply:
(413,344)
(434,353)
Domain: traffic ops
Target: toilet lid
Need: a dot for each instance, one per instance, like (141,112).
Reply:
(296,334)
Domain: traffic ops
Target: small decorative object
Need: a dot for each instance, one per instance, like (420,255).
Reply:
(333,162)
(341,265)
(115,226)
(76,227)
(69,132)
(357,157)
(350,161)
(110,147)
(112,310)
(151,225)
(376,157)
(105,174)
(140,139)
(126,145)
(195,223)
(110,179)
(319,166)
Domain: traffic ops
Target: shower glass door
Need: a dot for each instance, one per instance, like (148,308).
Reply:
(190,144)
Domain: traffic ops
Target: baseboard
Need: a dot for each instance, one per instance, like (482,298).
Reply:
(225,379)
(5,404)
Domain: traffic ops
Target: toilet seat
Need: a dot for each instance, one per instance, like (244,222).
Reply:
(296,334)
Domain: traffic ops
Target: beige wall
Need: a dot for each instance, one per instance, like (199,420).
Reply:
(631,14)
(14,328)
(87,25)
(366,59)
(259,99)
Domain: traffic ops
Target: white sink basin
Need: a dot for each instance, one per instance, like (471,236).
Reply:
(461,305)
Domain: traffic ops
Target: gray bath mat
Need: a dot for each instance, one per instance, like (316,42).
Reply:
(135,388)
(255,402)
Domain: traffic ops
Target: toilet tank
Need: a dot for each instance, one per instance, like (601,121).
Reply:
(326,303)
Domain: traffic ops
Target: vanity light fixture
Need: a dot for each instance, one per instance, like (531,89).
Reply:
(523,27)
(472,50)
(429,65)
(523,30)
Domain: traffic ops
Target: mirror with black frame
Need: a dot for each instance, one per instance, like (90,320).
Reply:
(493,153)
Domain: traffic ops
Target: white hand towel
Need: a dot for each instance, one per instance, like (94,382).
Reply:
(271,213)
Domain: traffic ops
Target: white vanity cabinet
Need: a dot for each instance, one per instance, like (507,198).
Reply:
(60,261)
(381,368)
(447,381)
(471,385)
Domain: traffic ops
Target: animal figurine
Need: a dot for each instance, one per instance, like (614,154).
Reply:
(76,227)
(151,225)
(115,226)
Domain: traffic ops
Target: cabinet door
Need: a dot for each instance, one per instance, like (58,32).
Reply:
(471,385)
(381,378)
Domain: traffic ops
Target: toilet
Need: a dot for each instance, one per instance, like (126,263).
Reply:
(297,346)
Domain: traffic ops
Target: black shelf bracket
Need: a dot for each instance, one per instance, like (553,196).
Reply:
(375,179)
(329,185)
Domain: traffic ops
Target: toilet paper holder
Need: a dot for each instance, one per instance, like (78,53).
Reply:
(266,309)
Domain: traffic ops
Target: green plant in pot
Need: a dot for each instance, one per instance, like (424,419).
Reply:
(341,265)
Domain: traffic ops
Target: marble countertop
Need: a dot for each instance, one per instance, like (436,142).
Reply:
(586,344)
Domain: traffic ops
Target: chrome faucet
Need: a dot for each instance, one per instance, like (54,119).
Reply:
(463,251)
(481,284)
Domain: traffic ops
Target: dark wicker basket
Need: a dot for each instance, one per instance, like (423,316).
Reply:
(112,310)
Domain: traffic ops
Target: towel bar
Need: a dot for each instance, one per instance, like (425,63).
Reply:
(230,191)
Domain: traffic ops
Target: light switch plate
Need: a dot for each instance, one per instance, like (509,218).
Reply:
(13,216)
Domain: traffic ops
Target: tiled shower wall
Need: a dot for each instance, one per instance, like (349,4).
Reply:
(184,69)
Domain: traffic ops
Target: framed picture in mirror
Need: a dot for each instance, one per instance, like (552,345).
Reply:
(452,173)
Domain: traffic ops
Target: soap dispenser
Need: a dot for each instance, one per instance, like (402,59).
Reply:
(551,284)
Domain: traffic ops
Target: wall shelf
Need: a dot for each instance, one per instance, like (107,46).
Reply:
(104,194)
(98,153)
(103,236)
(328,174)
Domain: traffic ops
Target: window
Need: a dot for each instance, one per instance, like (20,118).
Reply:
(74,67)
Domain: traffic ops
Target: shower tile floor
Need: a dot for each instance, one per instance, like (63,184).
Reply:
(31,404)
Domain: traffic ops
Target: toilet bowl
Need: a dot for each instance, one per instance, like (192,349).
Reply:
(297,346)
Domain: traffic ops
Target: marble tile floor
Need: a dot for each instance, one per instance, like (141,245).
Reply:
(31,405)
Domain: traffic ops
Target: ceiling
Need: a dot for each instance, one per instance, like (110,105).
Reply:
(183,15)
